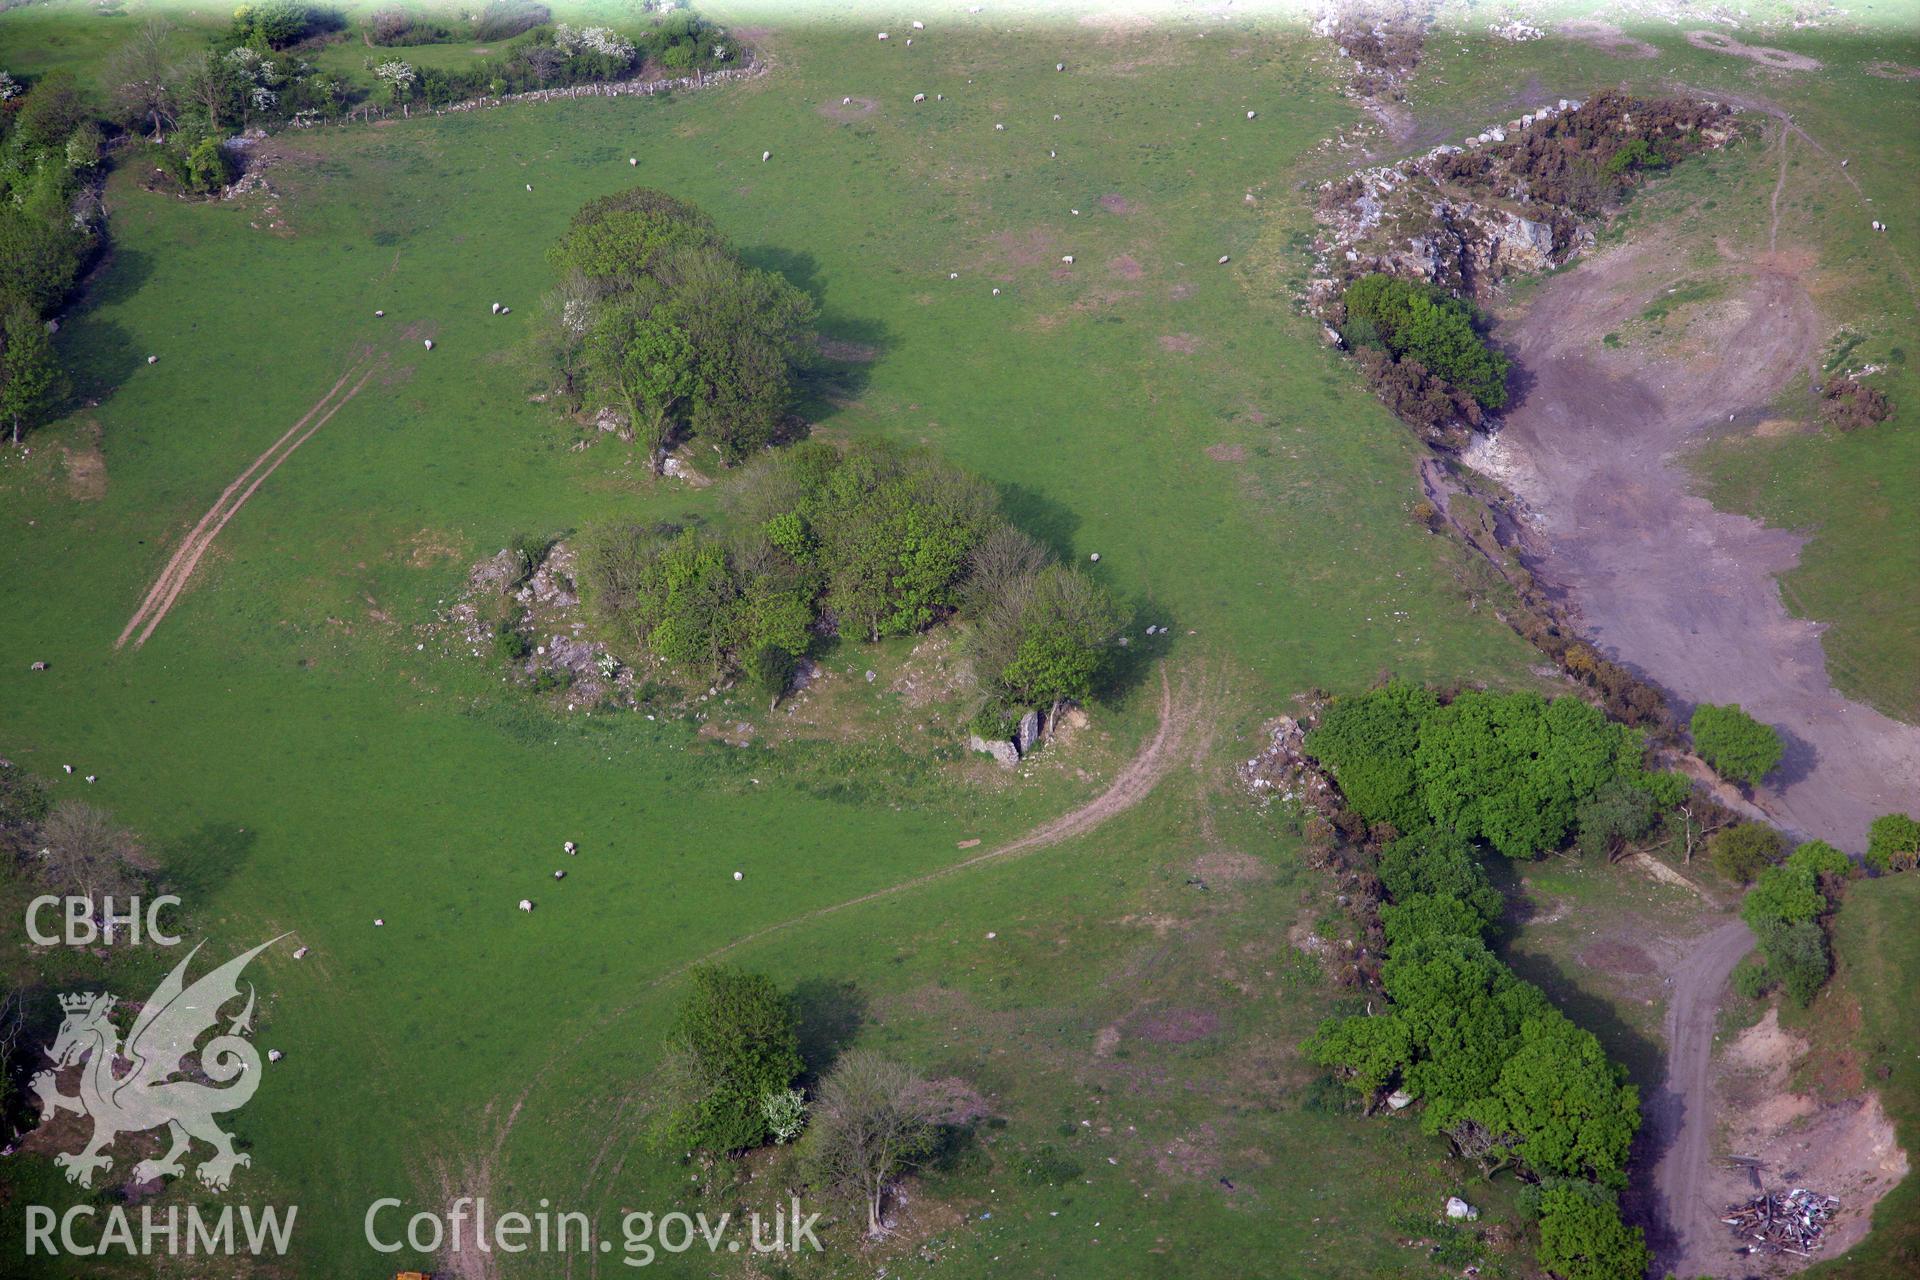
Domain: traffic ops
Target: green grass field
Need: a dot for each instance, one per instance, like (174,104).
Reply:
(304,767)
(1875,951)
(308,769)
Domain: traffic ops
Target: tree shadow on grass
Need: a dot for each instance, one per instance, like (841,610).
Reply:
(1047,522)
(831,1012)
(98,354)
(198,864)
(848,345)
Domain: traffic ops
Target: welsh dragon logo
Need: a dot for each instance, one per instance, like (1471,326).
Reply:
(143,1084)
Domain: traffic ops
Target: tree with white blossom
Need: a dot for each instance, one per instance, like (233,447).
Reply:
(397,78)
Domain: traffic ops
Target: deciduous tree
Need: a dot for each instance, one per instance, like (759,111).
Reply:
(873,1121)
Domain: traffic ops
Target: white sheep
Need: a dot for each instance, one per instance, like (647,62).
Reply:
(526,904)
(919,97)
(996,293)
(883,35)
(1095,557)
(953,275)
(378,314)
(67,767)
(765,156)
(529,186)
(1249,115)
(633,159)
(379,923)
(846,102)
(559,875)
(919,26)
(1059,66)
(570,847)
(274,1055)
(90,778)
(428,342)
(1076,213)
(153,359)
(496,308)
(739,875)
(505,310)
(1224,259)
(1067,258)
(300,953)
(999,128)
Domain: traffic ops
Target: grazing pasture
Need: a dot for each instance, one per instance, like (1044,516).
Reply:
(311,750)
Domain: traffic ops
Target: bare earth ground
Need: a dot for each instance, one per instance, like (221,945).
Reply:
(1679,1117)
(1845,1149)
(1661,580)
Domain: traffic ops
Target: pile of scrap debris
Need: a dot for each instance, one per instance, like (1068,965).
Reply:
(1782,1221)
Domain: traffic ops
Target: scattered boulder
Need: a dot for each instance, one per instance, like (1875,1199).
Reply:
(1004,753)
(1460,1210)
(1399,1100)
(1027,736)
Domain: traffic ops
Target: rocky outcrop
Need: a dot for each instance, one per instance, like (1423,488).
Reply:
(1004,753)
(1027,736)
(1500,204)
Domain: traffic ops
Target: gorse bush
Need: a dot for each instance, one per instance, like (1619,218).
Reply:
(1742,852)
(1739,748)
(1893,843)
(1419,322)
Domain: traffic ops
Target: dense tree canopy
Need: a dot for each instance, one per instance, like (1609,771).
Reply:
(1513,769)
(1369,742)
(733,1042)
(49,145)
(870,542)
(658,314)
